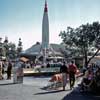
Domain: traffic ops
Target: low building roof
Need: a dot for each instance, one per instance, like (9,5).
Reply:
(56,49)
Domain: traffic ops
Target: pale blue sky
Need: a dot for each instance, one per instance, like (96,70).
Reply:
(23,18)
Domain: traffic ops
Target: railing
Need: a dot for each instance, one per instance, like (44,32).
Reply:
(51,69)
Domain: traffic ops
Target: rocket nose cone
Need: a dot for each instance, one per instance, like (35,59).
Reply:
(46,8)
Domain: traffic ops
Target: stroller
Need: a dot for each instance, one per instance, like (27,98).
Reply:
(56,82)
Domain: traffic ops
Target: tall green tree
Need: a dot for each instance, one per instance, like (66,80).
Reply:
(12,52)
(84,40)
(19,48)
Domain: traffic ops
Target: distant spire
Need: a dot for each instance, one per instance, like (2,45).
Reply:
(0,39)
(46,8)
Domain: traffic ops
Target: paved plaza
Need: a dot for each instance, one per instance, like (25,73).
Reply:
(32,89)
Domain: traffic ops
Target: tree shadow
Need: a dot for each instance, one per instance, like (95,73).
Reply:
(77,95)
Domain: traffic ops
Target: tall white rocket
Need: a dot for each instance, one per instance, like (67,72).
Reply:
(45,28)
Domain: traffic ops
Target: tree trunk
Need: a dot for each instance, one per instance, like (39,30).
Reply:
(86,60)
(93,56)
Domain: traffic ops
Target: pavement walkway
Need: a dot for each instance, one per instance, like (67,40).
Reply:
(32,89)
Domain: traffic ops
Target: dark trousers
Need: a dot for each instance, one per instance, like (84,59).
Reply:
(72,79)
(9,75)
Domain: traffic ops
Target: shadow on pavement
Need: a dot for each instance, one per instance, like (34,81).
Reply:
(7,84)
(48,91)
(76,95)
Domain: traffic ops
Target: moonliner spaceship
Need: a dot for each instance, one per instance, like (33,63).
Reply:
(45,49)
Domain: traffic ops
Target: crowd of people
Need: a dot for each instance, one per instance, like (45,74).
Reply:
(9,68)
(5,67)
(91,79)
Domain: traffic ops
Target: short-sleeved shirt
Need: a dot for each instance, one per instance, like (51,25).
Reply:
(72,68)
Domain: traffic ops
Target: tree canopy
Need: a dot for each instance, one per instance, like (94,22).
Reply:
(84,40)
